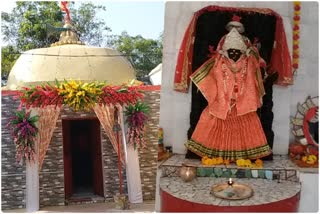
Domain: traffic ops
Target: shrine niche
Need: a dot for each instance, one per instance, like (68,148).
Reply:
(305,127)
(264,29)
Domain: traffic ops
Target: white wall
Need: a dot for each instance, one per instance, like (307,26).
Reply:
(309,198)
(175,106)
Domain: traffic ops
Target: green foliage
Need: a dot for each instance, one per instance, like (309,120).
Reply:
(8,58)
(143,54)
(91,28)
(137,107)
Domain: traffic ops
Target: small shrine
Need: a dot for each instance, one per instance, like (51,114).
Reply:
(242,138)
(69,128)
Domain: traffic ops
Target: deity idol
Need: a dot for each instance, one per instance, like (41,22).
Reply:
(231,82)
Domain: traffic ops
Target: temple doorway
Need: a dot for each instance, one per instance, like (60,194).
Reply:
(82,158)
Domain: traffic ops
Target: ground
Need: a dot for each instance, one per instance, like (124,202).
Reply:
(147,206)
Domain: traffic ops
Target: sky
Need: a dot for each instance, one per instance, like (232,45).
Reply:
(145,18)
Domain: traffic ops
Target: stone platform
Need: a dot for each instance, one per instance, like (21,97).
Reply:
(276,187)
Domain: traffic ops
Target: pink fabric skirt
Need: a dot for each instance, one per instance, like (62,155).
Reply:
(237,137)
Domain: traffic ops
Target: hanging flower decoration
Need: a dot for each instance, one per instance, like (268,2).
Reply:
(78,95)
(24,132)
(296,37)
(136,117)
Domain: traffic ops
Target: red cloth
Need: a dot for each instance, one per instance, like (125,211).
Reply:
(64,7)
(280,59)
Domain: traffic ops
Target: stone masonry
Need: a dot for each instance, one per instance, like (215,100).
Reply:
(13,175)
(148,156)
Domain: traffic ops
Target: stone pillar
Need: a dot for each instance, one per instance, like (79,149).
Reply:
(132,167)
(32,186)
(32,179)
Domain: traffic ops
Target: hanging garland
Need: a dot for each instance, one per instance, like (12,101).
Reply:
(136,117)
(77,95)
(24,132)
(296,37)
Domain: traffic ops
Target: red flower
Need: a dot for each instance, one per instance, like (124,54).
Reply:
(236,18)
(295,47)
(297,8)
(296,37)
(295,56)
(296,27)
(295,65)
(296,18)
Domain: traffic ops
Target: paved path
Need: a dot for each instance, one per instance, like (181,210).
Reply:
(147,206)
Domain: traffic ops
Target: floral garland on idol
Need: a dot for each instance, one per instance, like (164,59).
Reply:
(24,132)
(296,37)
(244,163)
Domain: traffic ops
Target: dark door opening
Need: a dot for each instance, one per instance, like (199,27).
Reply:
(82,158)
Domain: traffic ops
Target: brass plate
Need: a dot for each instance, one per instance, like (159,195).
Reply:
(236,192)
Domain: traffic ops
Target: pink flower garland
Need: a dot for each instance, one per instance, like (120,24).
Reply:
(24,132)
(136,119)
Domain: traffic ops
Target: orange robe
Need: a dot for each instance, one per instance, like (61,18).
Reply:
(229,126)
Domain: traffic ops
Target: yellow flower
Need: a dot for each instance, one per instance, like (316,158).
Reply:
(297,12)
(219,160)
(297,3)
(247,163)
(240,162)
(304,158)
(311,159)
(296,22)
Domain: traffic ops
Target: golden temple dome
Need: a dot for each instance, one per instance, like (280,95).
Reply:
(69,59)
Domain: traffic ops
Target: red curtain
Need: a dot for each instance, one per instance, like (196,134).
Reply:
(280,59)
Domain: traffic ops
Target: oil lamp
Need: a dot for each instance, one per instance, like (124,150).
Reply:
(231,190)
(230,182)
(187,173)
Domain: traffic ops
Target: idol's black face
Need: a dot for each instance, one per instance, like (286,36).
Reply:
(234,54)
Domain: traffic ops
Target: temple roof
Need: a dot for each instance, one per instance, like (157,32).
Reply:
(70,61)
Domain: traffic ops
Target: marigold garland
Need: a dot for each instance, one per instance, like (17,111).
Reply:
(240,162)
(296,37)
(24,132)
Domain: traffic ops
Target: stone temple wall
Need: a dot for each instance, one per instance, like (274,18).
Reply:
(13,175)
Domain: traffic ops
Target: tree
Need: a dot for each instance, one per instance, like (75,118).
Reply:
(8,58)
(25,27)
(91,29)
(143,54)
